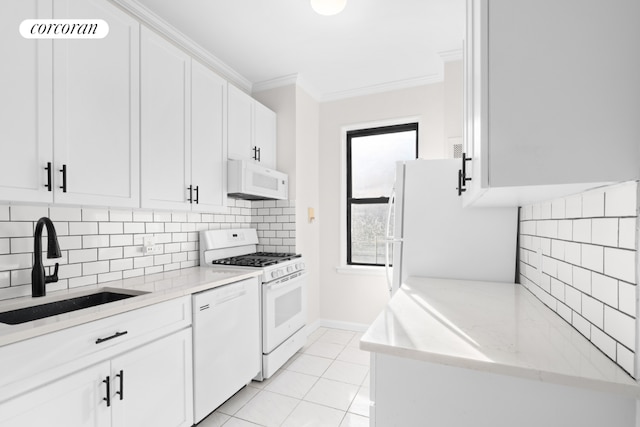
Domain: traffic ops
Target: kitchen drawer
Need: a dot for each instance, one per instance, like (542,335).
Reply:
(83,344)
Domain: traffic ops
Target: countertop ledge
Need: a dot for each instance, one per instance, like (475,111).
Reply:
(493,327)
(157,287)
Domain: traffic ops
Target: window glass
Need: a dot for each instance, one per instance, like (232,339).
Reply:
(371,164)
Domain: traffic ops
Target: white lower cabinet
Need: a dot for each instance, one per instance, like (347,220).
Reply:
(75,400)
(130,369)
(150,385)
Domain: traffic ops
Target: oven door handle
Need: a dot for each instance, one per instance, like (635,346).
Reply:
(280,284)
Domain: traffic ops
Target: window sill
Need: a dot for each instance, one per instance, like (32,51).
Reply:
(361,270)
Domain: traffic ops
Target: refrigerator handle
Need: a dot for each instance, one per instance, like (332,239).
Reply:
(389,239)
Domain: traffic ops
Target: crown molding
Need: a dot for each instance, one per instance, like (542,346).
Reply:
(152,20)
(451,55)
(384,87)
(291,79)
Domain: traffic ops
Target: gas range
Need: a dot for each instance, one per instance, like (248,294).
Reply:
(237,248)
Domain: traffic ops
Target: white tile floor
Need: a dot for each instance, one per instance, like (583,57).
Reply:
(326,384)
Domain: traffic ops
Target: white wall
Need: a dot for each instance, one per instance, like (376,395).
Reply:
(298,118)
(358,298)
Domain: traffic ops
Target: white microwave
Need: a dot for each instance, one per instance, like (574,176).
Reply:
(251,181)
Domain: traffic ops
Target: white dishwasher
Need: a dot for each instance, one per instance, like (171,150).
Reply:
(226,343)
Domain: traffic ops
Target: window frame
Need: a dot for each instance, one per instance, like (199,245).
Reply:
(350,200)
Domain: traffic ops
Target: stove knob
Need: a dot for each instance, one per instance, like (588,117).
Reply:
(274,274)
(300,266)
(290,269)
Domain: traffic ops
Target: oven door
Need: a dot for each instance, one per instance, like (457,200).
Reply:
(284,309)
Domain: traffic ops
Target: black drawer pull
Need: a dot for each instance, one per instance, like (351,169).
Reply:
(190,199)
(108,398)
(116,335)
(460,188)
(64,178)
(197,194)
(121,392)
(49,171)
(465,159)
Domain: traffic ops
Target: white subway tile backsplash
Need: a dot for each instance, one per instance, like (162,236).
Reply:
(28,213)
(82,228)
(593,257)
(627,295)
(110,228)
(133,273)
(5,279)
(161,217)
(154,227)
(621,200)
(604,342)
(15,261)
(582,230)
(604,289)
(145,261)
(83,255)
(593,204)
(588,266)
(95,215)
(69,242)
(142,216)
(108,277)
(121,264)
(604,231)
(5,247)
(620,326)
(83,281)
(95,241)
(574,207)
(625,358)
(4,213)
(16,229)
(22,245)
(70,270)
(65,214)
(133,227)
(95,267)
(121,240)
(120,216)
(620,263)
(627,233)
(109,253)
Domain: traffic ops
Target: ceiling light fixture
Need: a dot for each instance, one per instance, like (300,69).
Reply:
(328,7)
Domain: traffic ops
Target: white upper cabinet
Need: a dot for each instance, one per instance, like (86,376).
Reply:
(552,97)
(264,128)
(183,130)
(208,138)
(25,113)
(96,105)
(74,106)
(165,81)
(252,130)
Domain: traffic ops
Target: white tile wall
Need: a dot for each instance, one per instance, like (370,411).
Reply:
(101,245)
(583,264)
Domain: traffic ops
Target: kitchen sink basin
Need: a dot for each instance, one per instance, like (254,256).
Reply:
(27,314)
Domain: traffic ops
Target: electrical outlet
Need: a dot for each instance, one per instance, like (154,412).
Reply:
(148,245)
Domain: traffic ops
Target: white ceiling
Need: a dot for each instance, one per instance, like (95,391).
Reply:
(371,46)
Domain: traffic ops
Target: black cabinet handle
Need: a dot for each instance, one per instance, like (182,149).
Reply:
(460,188)
(64,178)
(255,153)
(197,194)
(108,398)
(190,199)
(465,159)
(121,391)
(259,157)
(116,335)
(49,171)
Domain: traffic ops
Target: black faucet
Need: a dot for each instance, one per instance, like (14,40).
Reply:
(38,278)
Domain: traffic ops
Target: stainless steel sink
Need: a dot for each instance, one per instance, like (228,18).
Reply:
(27,314)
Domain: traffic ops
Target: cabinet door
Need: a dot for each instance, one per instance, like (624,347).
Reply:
(166,156)
(264,132)
(157,384)
(96,104)
(208,138)
(25,112)
(75,400)
(240,125)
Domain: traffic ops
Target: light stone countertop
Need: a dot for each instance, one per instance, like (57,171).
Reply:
(493,327)
(158,287)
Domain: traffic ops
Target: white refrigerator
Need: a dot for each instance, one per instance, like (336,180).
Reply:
(432,235)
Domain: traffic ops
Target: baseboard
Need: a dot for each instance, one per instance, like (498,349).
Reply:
(336,324)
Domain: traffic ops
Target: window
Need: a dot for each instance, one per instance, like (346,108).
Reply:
(371,166)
